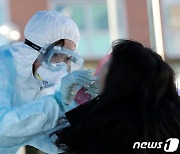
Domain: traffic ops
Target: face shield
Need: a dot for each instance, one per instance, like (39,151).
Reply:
(56,58)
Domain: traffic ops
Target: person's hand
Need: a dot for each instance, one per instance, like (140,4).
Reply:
(70,83)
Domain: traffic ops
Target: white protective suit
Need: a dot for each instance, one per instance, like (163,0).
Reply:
(24,118)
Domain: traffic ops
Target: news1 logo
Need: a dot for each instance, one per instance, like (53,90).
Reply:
(171,145)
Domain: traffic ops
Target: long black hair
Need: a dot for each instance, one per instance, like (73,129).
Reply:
(140,95)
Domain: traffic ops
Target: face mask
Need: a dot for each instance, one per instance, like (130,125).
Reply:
(47,78)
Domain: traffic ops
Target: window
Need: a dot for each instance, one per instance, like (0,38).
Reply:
(92,21)
(171,27)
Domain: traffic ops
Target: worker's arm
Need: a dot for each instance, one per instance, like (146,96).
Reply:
(21,123)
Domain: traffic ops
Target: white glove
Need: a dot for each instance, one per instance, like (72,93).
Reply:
(71,82)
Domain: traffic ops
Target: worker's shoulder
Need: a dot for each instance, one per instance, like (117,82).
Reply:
(4,47)
(4,51)
(6,61)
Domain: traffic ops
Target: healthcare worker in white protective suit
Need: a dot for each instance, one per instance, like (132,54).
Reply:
(32,100)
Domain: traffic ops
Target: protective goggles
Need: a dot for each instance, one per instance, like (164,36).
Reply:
(56,57)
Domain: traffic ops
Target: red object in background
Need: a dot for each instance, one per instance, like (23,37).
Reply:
(82,96)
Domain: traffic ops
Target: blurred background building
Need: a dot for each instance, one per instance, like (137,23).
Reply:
(100,22)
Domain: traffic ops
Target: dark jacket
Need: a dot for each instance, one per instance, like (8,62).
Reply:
(110,132)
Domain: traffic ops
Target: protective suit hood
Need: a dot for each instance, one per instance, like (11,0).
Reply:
(24,58)
(46,27)
(43,29)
